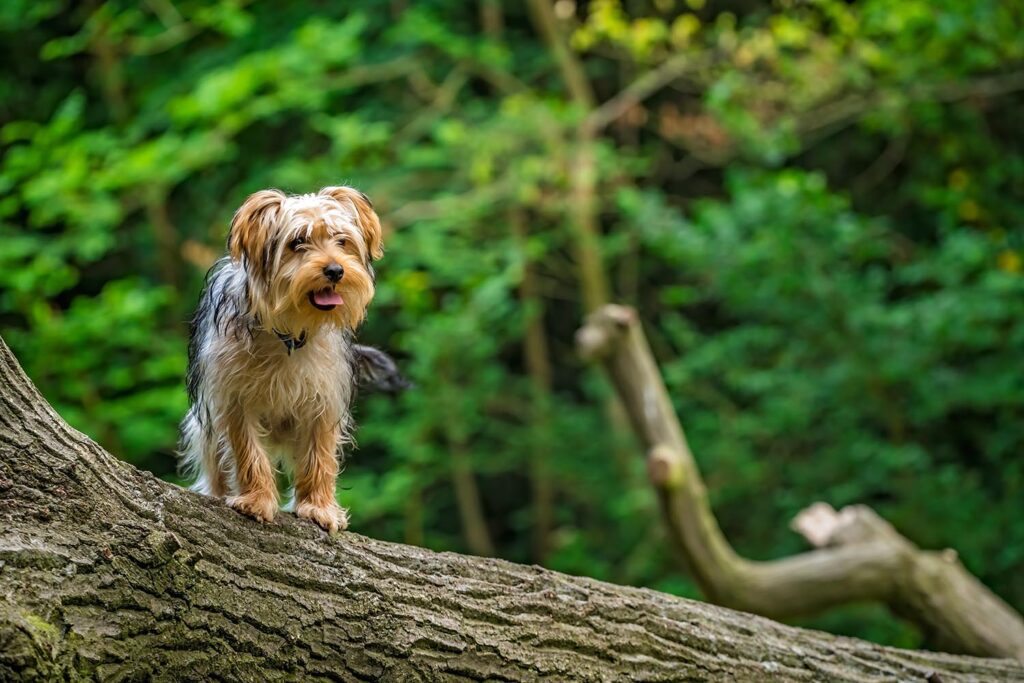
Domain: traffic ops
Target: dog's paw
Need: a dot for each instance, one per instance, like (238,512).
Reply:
(330,517)
(258,506)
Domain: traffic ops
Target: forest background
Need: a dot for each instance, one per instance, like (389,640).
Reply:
(816,208)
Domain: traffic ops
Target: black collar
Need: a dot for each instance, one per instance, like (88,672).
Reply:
(290,342)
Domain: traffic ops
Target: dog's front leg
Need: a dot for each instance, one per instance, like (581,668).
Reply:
(257,487)
(316,470)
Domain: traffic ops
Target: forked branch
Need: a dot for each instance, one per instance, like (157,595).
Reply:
(859,556)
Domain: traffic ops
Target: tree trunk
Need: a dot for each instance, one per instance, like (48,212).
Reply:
(538,367)
(860,556)
(108,573)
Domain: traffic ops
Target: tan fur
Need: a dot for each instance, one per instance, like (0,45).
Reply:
(256,483)
(252,224)
(368,219)
(315,473)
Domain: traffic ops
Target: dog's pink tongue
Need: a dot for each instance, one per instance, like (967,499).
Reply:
(327,297)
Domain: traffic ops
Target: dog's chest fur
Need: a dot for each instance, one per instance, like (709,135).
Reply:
(280,389)
(279,383)
(234,365)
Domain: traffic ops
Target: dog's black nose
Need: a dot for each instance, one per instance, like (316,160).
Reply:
(334,272)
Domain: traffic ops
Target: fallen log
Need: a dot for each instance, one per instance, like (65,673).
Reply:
(108,573)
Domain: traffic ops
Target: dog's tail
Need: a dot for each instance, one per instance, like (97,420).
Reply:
(377,371)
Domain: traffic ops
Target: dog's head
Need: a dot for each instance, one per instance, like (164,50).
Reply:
(308,256)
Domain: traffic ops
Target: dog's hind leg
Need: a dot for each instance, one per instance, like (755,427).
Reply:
(214,476)
(202,455)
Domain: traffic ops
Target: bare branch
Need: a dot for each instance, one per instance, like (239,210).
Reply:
(861,557)
(638,91)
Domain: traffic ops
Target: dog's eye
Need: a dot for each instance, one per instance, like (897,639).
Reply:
(342,241)
(296,243)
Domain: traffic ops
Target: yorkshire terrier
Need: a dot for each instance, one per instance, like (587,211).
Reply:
(272,363)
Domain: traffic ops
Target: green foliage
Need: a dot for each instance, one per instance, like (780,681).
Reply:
(819,220)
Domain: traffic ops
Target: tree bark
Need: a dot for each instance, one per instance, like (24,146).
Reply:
(108,573)
(860,556)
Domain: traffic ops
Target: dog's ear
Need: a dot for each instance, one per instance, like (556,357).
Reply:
(252,225)
(369,223)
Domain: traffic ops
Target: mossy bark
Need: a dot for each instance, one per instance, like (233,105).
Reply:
(108,573)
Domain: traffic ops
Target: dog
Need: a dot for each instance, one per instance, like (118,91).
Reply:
(272,363)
